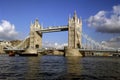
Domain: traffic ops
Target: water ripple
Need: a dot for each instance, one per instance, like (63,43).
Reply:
(59,68)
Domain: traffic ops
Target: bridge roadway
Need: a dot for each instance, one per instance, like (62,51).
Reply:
(98,50)
(91,50)
(14,49)
(82,50)
(53,29)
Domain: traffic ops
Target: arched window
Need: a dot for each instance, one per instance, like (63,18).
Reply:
(36,46)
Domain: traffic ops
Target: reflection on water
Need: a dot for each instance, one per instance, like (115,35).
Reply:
(59,68)
(32,68)
(52,67)
(74,67)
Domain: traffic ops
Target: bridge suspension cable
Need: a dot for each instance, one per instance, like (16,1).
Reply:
(15,47)
(93,44)
(21,43)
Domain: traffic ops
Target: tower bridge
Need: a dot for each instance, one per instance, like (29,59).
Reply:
(75,47)
(74,36)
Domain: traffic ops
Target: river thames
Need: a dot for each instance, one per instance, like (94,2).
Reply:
(59,68)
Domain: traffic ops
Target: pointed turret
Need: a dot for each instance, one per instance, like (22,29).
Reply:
(75,15)
(36,20)
(69,17)
(36,23)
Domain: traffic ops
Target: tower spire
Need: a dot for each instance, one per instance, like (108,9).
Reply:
(31,23)
(36,20)
(75,14)
(69,17)
(36,23)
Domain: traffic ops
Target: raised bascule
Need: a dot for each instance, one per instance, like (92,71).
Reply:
(33,43)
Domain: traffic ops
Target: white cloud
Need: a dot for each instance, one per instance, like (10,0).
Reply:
(106,22)
(116,9)
(54,45)
(7,31)
(114,42)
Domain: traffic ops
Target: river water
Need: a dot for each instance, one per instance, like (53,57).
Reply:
(59,68)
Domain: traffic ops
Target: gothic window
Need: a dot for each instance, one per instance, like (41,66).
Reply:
(36,46)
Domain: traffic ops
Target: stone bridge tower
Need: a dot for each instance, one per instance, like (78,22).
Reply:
(74,32)
(35,37)
(74,36)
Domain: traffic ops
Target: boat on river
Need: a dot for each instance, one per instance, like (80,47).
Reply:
(11,53)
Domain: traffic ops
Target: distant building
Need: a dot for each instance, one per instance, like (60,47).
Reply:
(15,42)
(5,43)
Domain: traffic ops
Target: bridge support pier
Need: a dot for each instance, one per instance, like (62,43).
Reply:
(29,52)
(72,52)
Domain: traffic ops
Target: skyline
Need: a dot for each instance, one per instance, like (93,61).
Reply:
(16,17)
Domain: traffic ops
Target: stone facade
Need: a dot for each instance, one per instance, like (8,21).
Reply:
(35,37)
(72,52)
(74,32)
(74,36)
(4,44)
(1,49)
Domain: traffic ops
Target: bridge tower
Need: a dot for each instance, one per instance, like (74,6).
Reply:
(74,32)
(74,36)
(35,37)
